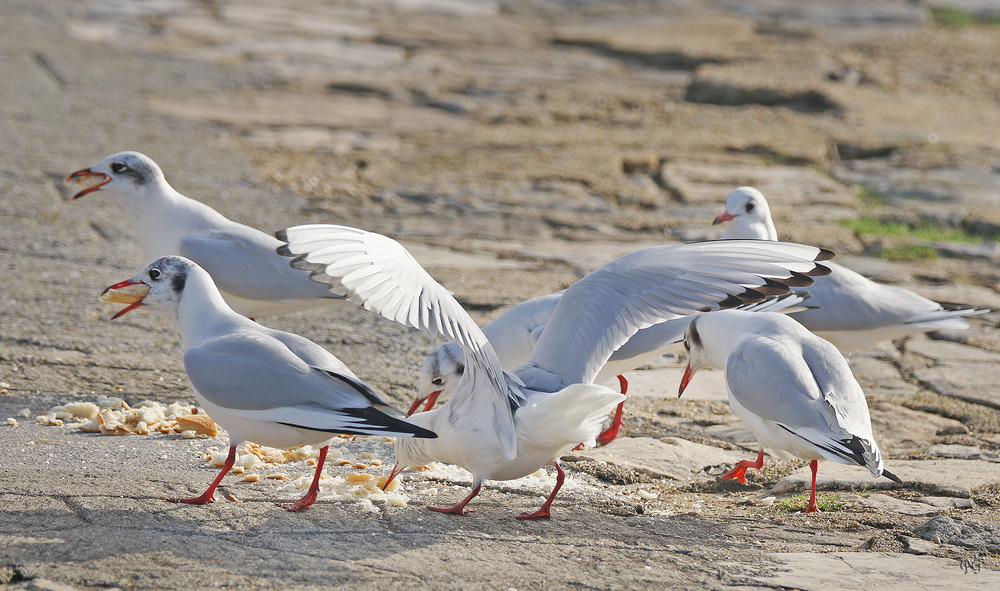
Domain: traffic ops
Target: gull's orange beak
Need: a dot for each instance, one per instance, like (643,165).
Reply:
(688,374)
(89,180)
(126,292)
(722,218)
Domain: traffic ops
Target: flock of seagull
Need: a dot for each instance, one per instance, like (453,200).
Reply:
(527,387)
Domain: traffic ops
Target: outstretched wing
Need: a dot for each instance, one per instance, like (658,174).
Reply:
(243,261)
(599,313)
(381,275)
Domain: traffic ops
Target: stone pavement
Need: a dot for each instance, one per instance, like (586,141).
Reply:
(514,146)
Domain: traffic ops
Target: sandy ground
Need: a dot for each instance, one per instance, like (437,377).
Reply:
(527,142)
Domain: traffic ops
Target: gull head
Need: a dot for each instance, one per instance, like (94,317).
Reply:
(159,287)
(697,353)
(748,215)
(122,175)
(441,372)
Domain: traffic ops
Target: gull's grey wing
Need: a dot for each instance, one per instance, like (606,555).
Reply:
(253,375)
(799,386)
(806,388)
(245,262)
(381,275)
(597,314)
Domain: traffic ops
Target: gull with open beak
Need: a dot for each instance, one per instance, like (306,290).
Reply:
(847,309)
(503,425)
(794,390)
(262,385)
(241,260)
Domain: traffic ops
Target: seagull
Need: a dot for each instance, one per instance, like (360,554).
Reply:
(503,425)
(242,260)
(793,389)
(514,333)
(846,308)
(262,385)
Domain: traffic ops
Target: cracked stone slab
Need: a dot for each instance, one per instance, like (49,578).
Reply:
(894,505)
(946,502)
(974,534)
(962,452)
(878,377)
(947,477)
(886,571)
(670,457)
(898,428)
(959,371)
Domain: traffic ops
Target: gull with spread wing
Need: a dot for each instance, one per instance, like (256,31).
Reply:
(242,260)
(514,333)
(503,425)
(262,385)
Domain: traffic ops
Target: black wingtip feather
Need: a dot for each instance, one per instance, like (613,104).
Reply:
(376,422)
(798,280)
(282,235)
(819,271)
(772,288)
(824,255)
(891,476)
(730,302)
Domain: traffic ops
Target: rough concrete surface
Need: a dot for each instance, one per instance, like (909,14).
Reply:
(515,145)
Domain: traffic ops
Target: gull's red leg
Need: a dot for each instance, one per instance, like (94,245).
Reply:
(543,512)
(609,434)
(812,508)
(310,497)
(209,495)
(460,509)
(740,470)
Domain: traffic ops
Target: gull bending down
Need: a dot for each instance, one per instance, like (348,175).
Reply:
(793,389)
(847,309)
(503,425)
(514,333)
(241,260)
(262,385)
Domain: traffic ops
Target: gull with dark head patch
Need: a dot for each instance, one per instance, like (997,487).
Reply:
(241,260)
(262,385)
(794,390)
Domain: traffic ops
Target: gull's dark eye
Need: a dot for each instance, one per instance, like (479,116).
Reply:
(154,274)
(437,381)
(118,168)
(750,206)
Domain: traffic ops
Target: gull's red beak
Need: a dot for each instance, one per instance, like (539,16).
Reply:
(89,180)
(126,292)
(723,217)
(395,472)
(430,398)
(688,374)
(416,404)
